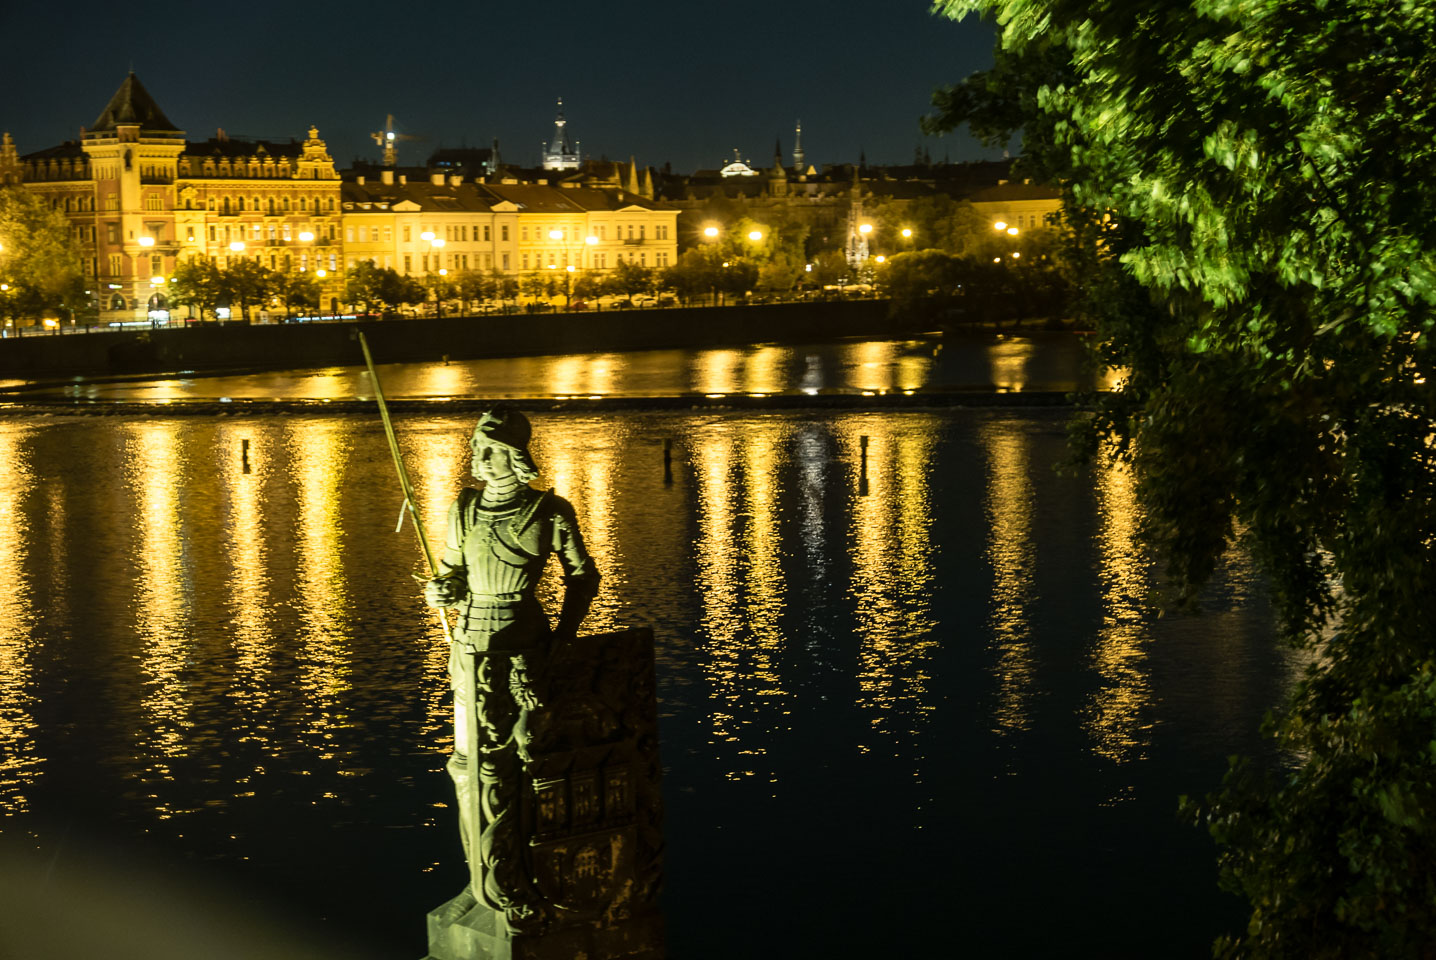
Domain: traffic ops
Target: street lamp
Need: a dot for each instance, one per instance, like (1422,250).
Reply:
(999,225)
(146,241)
(237,246)
(755,235)
(907,233)
(865,228)
(710,232)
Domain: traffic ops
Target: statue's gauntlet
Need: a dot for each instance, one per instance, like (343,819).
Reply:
(446,590)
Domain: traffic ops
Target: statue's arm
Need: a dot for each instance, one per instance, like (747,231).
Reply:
(580,574)
(450,584)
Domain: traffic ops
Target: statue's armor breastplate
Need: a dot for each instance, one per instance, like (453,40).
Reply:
(503,568)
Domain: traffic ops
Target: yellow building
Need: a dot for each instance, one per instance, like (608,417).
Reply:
(445,223)
(141,199)
(1026,206)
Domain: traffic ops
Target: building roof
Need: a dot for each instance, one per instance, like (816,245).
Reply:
(67,149)
(428,196)
(1010,192)
(132,104)
(222,147)
(536,199)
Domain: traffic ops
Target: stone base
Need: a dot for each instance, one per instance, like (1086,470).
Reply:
(464,929)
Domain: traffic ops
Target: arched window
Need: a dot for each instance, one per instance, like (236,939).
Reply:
(117,302)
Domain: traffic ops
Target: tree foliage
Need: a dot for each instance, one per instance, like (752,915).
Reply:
(1243,173)
(39,259)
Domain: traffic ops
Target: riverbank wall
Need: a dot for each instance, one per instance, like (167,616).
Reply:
(214,347)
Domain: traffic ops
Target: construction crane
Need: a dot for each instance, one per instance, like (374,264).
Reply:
(389,140)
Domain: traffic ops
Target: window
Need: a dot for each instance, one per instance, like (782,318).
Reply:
(408,262)
(424,263)
(114,264)
(112,232)
(363,234)
(388,234)
(112,202)
(303,262)
(506,258)
(286,204)
(524,264)
(154,203)
(332,259)
(464,234)
(288,234)
(211,234)
(486,233)
(524,233)
(643,259)
(189,235)
(640,231)
(504,235)
(408,233)
(388,261)
(349,234)
(273,232)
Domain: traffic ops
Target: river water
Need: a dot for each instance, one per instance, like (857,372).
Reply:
(928,717)
(958,363)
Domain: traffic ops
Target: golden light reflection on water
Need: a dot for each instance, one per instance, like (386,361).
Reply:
(156,466)
(893,557)
(741,584)
(1009,363)
(579,465)
(764,370)
(716,371)
(1117,717)
(244,544)
(318,453)
(586,375)
(19,764)
(875,366)
(438,464)
(1011,552)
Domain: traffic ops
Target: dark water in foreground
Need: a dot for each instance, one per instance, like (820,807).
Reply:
(934,720)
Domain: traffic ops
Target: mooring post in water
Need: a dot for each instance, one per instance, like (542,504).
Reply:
(667,460)
(863,470)
(244,453)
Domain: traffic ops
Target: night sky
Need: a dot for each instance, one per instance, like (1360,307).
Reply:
(684,84)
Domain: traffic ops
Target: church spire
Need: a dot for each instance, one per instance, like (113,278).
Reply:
(798,155)
(559,153)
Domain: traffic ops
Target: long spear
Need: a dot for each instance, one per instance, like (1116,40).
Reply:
(471,675)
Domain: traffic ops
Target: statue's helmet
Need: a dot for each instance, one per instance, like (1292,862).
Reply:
(510,429)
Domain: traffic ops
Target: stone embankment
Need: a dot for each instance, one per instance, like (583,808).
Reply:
(214,347)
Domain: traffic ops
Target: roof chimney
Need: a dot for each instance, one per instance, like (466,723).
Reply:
(456,179)
(437,179)
(403,180)
(387,176)
(359,180)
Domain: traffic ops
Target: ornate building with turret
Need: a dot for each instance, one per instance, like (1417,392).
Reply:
(141,199)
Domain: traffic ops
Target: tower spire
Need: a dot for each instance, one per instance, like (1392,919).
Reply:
(559,153)
(798,155)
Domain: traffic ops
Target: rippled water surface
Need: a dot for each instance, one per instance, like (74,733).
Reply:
(925,715)
(973,361)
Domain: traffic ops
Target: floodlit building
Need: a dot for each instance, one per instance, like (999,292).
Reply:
(447,223)
(141,199)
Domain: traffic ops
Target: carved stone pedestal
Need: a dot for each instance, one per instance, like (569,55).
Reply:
(464,930)
(588,819)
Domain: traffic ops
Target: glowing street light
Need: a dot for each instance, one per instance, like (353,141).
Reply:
(437,242)
(427,235)
(157,280)
(756,235)
(865,229)
(999,225)
(305,236)
(321,274)
(555,234)
(1016,255)
(907,233)
(237,246)
(570,268)
(590,240)
(710,232)
(146,241)
(880,258)
(443,272)
(1012,231)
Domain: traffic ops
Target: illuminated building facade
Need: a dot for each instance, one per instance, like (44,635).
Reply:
(141,199)
(447,223)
